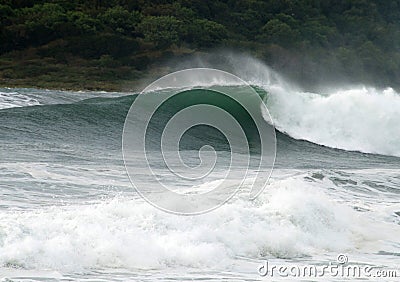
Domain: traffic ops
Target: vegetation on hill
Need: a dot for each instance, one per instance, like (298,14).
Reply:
(104,44)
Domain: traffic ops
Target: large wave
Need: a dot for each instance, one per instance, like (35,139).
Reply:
(358,118)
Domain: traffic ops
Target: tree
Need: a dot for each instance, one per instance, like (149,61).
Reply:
(43,22)
(162,31)
(278,32)
(205,33)
(81,23)
(6,15)
(120,20)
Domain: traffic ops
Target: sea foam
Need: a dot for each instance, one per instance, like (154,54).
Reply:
(293,218)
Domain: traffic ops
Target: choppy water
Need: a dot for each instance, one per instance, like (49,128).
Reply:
(69,212)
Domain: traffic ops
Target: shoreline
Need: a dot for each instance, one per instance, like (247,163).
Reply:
(94,86)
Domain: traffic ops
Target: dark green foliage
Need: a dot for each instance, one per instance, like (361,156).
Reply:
(204,33)
(163,31)
(6,14)
(359,38)
(80,23)
(278,32)
(119,20)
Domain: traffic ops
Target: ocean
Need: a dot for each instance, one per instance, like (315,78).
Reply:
(69,212)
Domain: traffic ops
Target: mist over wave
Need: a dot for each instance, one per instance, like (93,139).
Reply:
(350,117)
(357,118)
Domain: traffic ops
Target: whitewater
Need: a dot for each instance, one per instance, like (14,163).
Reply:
(69,212)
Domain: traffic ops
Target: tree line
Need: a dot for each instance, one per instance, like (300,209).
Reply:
(358,37)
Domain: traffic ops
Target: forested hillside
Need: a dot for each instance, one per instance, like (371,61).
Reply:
(102,43)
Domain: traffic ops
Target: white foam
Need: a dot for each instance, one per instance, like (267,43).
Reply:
(24,97)
(293,218)
(14,99)
(361,119)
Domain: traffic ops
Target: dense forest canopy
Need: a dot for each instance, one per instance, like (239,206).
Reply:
(356,38)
